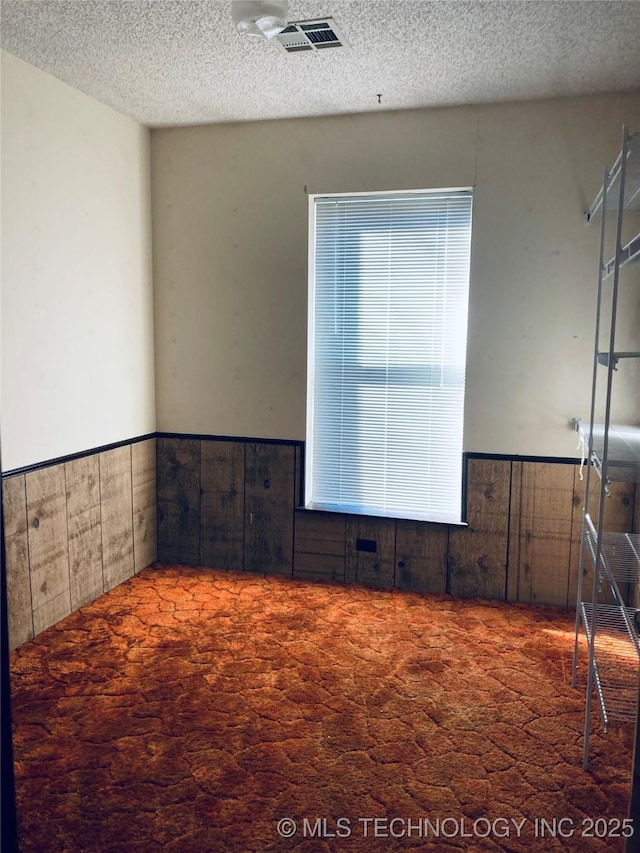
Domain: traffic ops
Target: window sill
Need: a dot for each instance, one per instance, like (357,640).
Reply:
(330,510)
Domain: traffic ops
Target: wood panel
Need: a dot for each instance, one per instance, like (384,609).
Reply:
(298,497)
(179,500)
(478,554)
(84,530)
(269,508)
(513,549)
(546,517)
(116,515)
(579,486)
(222,504)
(372,568)
(145,503)
(618,518)
(618,509)
(48,550)
(319,550)
(421,556)
(20,615)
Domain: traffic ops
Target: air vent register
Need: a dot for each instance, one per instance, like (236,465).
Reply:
(310,35)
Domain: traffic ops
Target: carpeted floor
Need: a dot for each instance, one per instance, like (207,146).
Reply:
(197,711)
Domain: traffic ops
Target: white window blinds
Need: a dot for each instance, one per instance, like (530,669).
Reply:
(388,298)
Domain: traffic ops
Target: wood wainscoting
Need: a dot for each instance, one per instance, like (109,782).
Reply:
(234,504)
(79,526)
(74,530)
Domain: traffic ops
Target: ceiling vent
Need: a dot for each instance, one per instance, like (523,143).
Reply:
(310,35)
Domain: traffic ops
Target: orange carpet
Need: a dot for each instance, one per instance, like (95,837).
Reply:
(196,711)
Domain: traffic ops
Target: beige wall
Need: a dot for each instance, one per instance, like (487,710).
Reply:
(77,307)
(230,259)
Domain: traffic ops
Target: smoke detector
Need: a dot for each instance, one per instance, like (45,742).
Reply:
(310,35)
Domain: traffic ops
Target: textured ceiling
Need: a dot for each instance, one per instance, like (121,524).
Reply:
(178,62)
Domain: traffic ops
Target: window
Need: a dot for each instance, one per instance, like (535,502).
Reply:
(388,298)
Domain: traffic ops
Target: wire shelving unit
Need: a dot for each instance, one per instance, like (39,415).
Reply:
(610,617)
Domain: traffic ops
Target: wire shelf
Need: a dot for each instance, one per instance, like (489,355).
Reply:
(623,456)
(615,660)
(632,181)
(629,254)
(619,554)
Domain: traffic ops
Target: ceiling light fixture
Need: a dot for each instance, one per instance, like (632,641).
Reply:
(262,18)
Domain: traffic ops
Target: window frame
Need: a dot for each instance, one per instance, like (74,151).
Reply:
(346,509)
